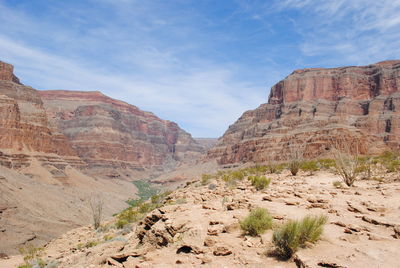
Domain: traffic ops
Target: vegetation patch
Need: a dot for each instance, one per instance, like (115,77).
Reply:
(32,256)
(145,191)
(297,233)
(259,182)
(139,208)
(257,222)
(311,166)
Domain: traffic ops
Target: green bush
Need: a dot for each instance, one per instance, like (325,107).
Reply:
(296,233)
(238,174)
(393,165)
(121,223)
(259,182)
(337,184)
(26,265)
(294,167)
(31,256)
(257,222)
(309,166)
(205,179)
(327,163)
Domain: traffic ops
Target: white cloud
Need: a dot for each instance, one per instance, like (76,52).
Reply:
(355,31)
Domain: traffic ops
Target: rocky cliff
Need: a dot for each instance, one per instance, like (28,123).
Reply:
(311,108)
(109,133)
(24,129)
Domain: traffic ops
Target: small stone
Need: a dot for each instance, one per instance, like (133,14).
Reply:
(209,242)
(267,198)
(222,251)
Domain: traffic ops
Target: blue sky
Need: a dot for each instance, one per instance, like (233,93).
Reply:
(199,63)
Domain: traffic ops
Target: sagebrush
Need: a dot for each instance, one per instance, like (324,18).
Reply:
(257,222)
(296,233)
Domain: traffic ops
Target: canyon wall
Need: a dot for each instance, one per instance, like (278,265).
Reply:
(312,109)
(108,133)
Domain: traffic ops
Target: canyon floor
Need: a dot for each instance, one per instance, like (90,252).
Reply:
(199,226)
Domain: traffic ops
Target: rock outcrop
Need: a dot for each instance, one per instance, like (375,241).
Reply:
(24,129)
(108,133)
(311,108)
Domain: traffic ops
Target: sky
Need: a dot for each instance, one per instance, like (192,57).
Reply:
(199,63)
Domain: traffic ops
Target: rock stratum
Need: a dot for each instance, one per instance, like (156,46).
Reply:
(108,133)
(313,108)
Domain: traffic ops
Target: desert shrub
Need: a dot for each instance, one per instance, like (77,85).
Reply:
(145,189)
(296,151)
(238,174)
(127,216)
(160,198)
(257,170)
(108,237)
(31,256)
(311,228)
(25,265)
(365,167)
(91,244)
(326,163)
(96,206)
(393,165)
(294,166)
(337,184)
(275,168)
(347,161)
(121,223)
(257,222)
(309,166)
(390,160)
(296,233)
(259,182)
(147,207)
(205,179)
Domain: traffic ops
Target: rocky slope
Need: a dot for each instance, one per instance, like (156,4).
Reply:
(311,108)
(198,226)
(112,135)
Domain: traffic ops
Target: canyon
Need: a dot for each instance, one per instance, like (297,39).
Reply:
(71,146)
(312,109)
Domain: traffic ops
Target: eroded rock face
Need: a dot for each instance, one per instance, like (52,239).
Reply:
(105,131)
(23,120)
(88,130)
(312,107)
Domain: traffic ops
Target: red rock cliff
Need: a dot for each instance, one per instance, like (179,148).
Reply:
(112,133)
(311,107)
(23,120)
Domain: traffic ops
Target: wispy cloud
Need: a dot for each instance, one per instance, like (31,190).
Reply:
(355,31)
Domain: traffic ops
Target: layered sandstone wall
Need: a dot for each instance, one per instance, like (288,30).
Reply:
(313,107)
(23,120)
(105,131)
(87,130)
